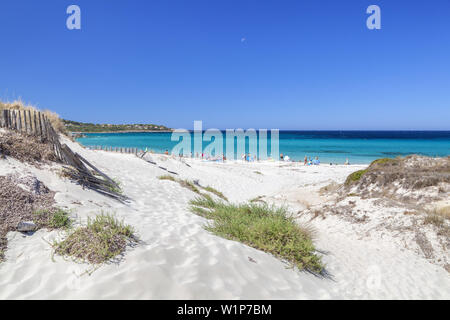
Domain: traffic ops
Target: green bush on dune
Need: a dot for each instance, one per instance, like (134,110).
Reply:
(355,176)
(102,239)
(262,227)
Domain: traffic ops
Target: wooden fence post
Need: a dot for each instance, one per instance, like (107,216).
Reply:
(3,123)
(35,123)
(40,125)
(10,120)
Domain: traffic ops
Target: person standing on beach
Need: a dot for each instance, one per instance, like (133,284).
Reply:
(306,161)
(281,157)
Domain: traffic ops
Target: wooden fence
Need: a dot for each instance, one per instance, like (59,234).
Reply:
(117,149)
(30,122)
(35,123)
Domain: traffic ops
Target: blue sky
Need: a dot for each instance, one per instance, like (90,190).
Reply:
(303,65)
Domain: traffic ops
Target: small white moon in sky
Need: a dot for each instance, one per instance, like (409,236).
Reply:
(243,39)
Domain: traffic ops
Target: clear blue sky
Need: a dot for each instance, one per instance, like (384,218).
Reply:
(303,64)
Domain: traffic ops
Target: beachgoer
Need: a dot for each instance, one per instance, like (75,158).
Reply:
(166,153)
(306,161)
(281,157)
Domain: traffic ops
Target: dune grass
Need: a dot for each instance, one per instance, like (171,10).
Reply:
(216,192)
(355,176)
(102,239)
(188,185)
(167,177)
(191,186)
(262,227)
(54,219)
(184,183)
(438,216)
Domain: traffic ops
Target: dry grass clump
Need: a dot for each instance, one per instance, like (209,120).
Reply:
(332,187)
(26,148)
(443,212)
(216,192)
(102,239)
(54,118)
(438,217)
(188,185)
(167,177)
(31,202)
(193,187)
(267,228)
(411,173)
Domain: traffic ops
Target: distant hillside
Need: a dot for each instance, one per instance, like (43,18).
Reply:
(74,126)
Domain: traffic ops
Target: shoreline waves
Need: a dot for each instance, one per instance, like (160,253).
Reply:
(359,147)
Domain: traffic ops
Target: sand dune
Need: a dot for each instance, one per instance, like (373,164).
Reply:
(178,259)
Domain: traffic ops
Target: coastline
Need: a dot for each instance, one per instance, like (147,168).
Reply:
(330,147)
(127,131)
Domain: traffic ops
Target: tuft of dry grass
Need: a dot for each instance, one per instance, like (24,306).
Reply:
(167,177)
(101,240)
(188,185)
(443,212)
(191,186)
(216,192)
(438,216)
(434,219)
(184,183)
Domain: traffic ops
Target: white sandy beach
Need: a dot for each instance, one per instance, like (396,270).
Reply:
(178,259)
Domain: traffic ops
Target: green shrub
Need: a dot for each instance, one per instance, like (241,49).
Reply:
(263,227)
(102,239)
(382,161)
(52,218)
(355,176)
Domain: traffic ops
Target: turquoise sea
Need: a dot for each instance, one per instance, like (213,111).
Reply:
(359,147)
